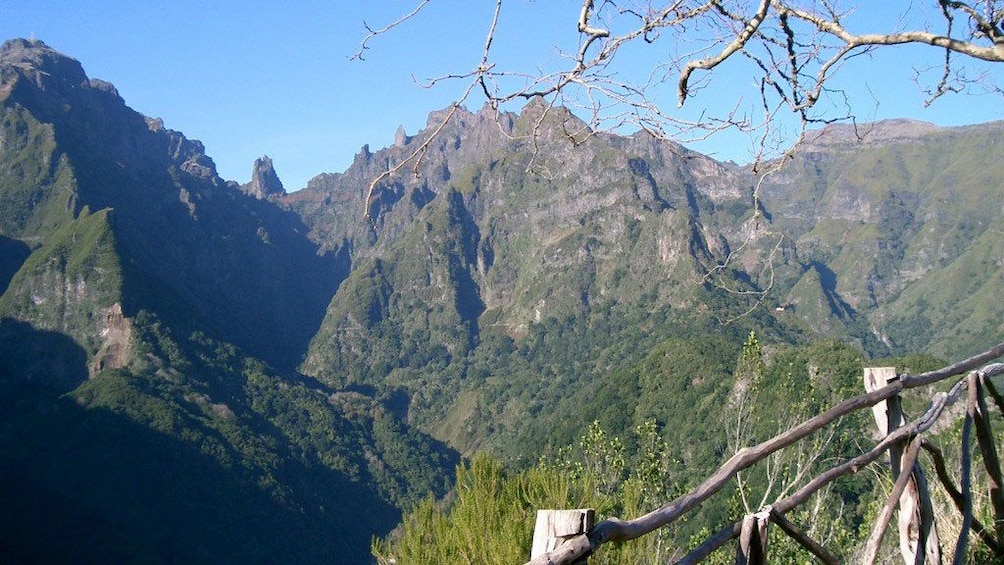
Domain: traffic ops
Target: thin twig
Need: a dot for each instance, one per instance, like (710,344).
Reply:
(371,33)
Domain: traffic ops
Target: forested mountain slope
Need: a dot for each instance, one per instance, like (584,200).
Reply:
(906,220)
(152,317)
(525,259)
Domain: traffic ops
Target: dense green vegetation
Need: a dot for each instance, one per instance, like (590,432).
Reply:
(488,517)
(198,453)
(38,182)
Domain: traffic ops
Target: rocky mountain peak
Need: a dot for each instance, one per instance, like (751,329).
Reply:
(265,183)
(884,131)
(47,68)
(400,137)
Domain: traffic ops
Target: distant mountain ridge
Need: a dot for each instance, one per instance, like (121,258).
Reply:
(907,229)
(717,198)
(500,231)
(320,370)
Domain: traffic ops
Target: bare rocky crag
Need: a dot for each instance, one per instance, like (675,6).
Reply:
(265,183)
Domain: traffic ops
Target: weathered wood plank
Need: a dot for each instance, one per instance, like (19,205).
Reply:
(752,548)
(966,464)
(917,531)
(991,462)
(554,527)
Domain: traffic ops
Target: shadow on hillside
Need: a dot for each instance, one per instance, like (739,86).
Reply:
(828,281)
(83,486)
(93,485)
(13,254)
(42,361)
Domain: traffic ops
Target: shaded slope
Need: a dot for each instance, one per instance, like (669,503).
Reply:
(188,460)
(151,318)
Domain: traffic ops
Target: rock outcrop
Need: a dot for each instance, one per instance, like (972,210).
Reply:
(265,183)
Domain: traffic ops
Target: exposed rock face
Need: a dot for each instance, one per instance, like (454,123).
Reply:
(508,224)
(265,183)
(555,229)
(36,62)
(400,137)
(115,331)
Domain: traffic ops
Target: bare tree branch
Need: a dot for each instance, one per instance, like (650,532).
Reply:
(372,33)
(993,53)
(738,43)
(796,48)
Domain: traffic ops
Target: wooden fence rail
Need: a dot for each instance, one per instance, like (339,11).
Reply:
(907,439)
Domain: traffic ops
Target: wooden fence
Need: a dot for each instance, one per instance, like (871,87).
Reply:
(919,542)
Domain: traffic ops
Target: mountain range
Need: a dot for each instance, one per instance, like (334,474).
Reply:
(194,369)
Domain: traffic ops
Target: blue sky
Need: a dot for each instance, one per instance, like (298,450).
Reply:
(254,78)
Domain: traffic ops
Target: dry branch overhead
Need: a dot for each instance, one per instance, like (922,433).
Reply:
(790,54)
(740,41)
(373,33)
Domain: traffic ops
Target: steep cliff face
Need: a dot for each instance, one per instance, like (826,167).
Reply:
(902,222)
(518,265)
(517,223)
(508,223)
(196,249)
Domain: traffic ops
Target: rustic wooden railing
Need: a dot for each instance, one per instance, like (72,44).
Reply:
(918,536)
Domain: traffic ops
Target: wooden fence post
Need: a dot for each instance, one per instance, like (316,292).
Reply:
(553,527)
(917,531)
(752,548)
